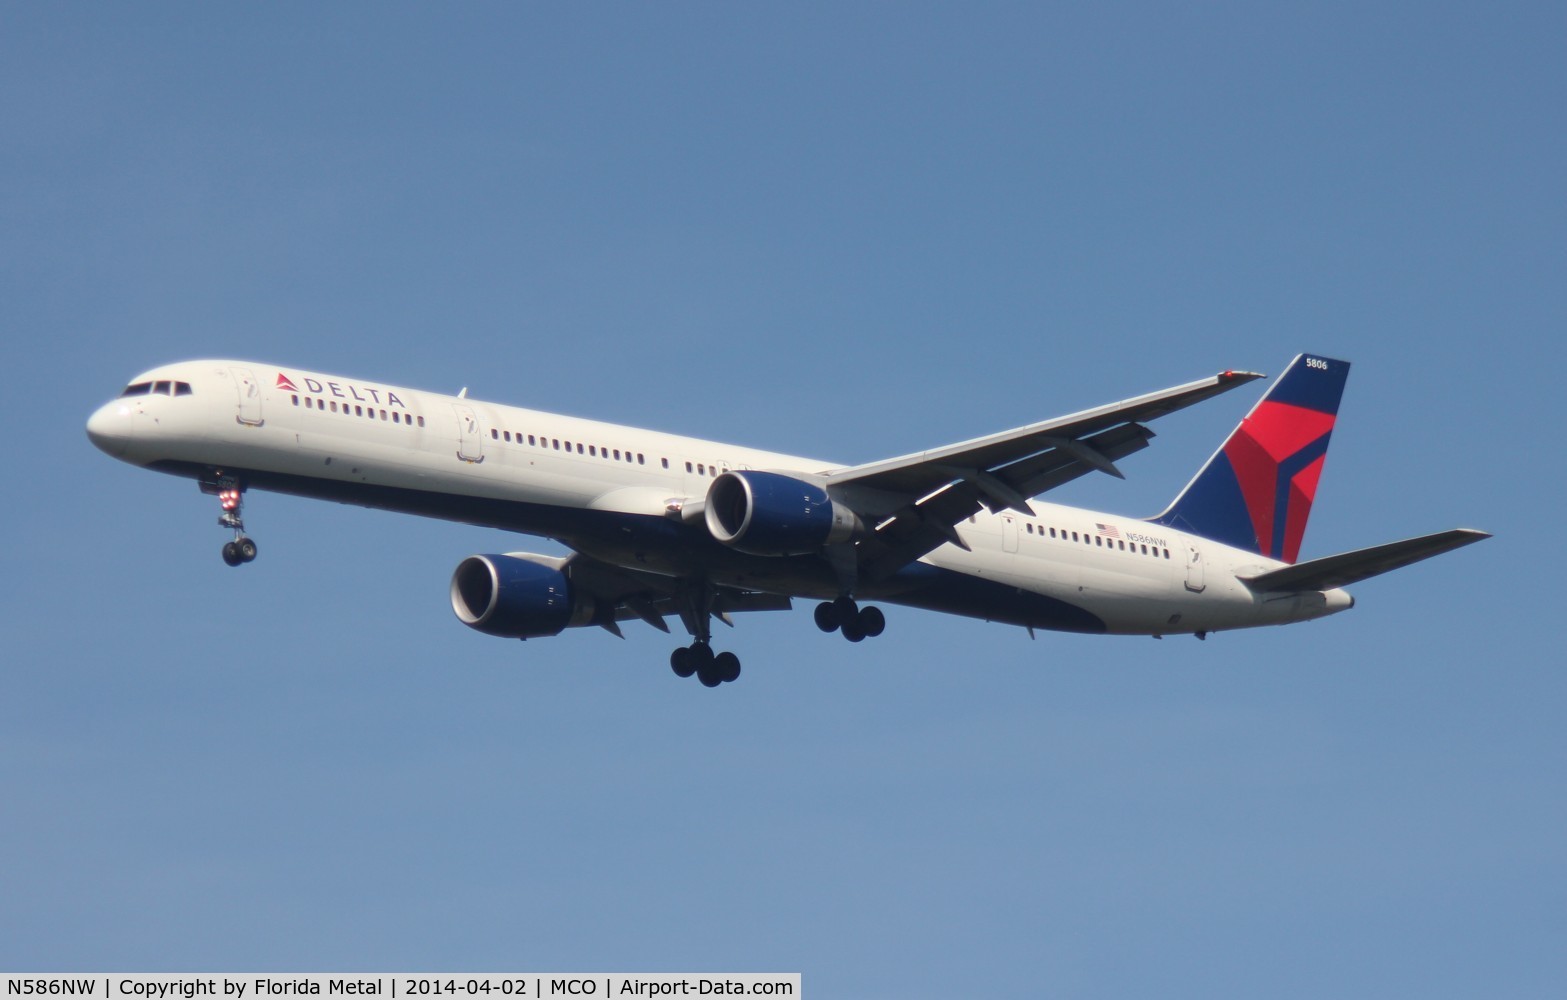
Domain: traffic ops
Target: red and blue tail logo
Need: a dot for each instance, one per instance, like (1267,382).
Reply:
(1256,492)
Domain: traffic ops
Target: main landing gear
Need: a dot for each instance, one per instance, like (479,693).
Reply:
(711,668)
(243,548)
(846,616)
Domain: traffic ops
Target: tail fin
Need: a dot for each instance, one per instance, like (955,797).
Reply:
(1255,493)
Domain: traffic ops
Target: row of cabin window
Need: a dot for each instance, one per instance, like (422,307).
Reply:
(591,450)
(1100,540)
(157,389)
(311,403)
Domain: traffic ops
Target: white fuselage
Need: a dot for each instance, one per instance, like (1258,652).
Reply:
(616,493)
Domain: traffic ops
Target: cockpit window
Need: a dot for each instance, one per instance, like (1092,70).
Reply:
(160,388)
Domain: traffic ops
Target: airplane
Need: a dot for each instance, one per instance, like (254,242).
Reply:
(661,526)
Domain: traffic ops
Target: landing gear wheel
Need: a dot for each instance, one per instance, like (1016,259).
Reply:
(827,617)
(682,662)
(872,622)
(845,609)
(246,549)
(852,630)
(708,674)
(231,553)
(726,666)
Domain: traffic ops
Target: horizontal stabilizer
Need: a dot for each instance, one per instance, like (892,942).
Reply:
(1352,567)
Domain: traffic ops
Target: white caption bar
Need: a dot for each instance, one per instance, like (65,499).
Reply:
(399,986)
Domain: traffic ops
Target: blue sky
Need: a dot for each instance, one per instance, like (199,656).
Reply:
(846,230)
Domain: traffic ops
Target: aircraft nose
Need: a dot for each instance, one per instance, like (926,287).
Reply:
(109,428)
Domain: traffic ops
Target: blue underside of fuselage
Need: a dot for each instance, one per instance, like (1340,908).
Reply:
(668,547)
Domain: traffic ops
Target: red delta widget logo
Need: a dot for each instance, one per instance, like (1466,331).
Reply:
(342,390)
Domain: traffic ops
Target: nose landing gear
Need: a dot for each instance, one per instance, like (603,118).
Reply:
(231,497)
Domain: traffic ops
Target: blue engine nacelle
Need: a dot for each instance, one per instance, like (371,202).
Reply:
(517,596)
(768,514)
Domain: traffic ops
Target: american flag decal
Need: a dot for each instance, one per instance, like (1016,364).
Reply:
(1107,530)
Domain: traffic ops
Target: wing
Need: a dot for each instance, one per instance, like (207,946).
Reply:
(917,500)
(625,594)
(1352,567)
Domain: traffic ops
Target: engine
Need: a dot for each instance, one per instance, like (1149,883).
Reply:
(519,596)
(769,514)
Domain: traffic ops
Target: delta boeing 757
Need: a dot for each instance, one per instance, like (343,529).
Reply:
(660,525)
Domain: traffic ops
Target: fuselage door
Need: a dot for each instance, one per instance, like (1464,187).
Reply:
(470,442)
(1194,570)
(249,396)
(1008,534)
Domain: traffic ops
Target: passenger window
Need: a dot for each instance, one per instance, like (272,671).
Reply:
(689,467)
(359,411)
(396,417)
(296,400)
(334,406)
(495,435)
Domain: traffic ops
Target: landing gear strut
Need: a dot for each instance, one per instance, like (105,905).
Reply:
(711,668)
(846,616)
(231,497)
